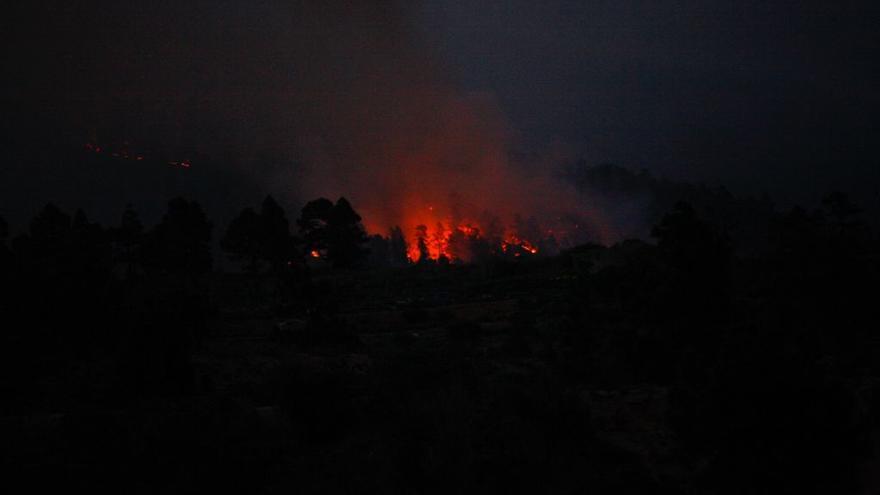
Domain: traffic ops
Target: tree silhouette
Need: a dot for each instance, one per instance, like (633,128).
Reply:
(839,207)
(335,230)
(694,296)
(422,243)
(80,222)
(5,262)
(180,243)
(85,233)
(846,222)
(380,254)
(313,222)
(277,246)
(128,239)
(90,251)
(397,248)
(688,243)
(44,250)
(49,232)
(345,236)
(130,228)
(259,237)
(242,239)
(796,235)
(4,233)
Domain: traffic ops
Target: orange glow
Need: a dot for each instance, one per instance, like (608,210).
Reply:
(513,241)
(123,154)
(427,228)
(314,253)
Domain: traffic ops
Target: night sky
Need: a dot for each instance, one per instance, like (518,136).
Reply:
(286,97)
(749,93)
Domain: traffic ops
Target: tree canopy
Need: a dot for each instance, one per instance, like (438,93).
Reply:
(334,230)
(265,236)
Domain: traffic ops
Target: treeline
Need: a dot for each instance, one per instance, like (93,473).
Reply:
(79,299)
(768,363)
(643,199)
(770,360)
(180,244)
(262,240)
(136,299)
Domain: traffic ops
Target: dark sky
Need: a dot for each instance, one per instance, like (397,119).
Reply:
(775,95)
(761,96)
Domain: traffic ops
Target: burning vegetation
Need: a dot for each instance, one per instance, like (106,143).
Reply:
(124,152)
(438,232)
(430,236)
(463,243)
(334,234)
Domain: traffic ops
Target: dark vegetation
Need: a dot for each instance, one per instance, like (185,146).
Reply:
(710,361)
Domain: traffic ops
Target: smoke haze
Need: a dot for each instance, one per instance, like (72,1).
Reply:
(301,99)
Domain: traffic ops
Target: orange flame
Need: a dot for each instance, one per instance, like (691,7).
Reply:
(433,235)
(513,241)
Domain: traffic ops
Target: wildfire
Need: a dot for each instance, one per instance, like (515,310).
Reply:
(513,243)
(430,238)
(123,153)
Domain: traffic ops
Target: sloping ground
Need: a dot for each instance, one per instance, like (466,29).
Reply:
(443,382)
(470,368)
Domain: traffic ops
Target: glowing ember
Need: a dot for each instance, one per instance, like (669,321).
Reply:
(123,154)
(430,236)
(513,242)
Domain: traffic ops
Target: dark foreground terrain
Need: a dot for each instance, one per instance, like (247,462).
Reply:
(677,367)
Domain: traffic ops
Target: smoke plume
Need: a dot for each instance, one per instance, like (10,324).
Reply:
(305,98)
